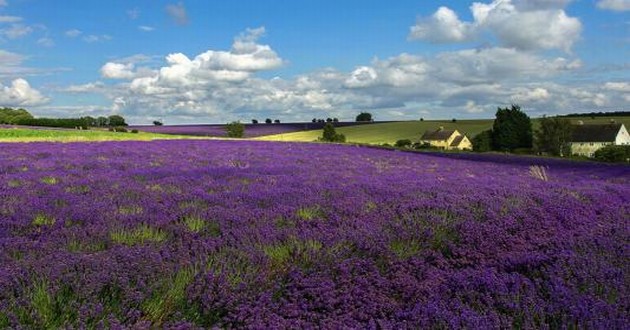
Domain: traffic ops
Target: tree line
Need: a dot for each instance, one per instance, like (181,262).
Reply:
(20,116)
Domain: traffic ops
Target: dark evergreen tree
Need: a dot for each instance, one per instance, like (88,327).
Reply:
(512,129)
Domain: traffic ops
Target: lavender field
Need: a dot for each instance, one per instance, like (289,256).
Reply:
(243,234)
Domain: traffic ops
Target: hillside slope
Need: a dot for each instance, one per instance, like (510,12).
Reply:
(391,132)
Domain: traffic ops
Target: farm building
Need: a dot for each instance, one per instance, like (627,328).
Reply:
(446,139)
(586,139)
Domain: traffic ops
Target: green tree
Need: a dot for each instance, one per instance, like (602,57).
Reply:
(482,142)
(364,116)
(330,134)
(554,136)
(512,129)
(613,153)
(235,129)
(102,121)
(13,116)
(116,120)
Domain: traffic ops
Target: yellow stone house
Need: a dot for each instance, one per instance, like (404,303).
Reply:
(446,139)
(586,139)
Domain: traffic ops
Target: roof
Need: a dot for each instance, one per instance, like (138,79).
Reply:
(458,139)
(595,133)
(440,134)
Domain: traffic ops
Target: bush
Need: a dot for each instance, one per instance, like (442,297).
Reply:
(403,143)
(120,129)
(235,129)
(157,123)
(330,135)
(268,121)
(425,145)
(613,154)
(135,131)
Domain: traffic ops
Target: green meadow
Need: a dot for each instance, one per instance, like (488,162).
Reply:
(380,133)
(68,135)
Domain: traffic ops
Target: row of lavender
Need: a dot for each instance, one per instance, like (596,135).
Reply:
(251,130)
(242,234)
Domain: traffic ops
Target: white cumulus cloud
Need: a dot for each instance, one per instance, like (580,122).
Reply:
(113,70)
(246,57)
(20,94)
(527,25)
(442,26)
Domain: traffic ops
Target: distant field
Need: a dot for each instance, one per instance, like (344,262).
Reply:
(375,133)
(66,135)
(413,130)
(251,130)
(387,132)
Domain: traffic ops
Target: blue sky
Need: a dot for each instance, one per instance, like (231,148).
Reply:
(218,61)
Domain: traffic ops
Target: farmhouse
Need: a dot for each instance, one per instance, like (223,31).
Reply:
(446,139)
(586,139)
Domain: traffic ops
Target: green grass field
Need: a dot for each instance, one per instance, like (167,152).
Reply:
(412,130)
(62,135)
(387,132)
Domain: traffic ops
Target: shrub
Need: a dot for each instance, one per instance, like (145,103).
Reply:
(235,129)
(120,129)
(157,123)
(135,131)
(330,135)
(268,121)
(403,143)
(482,142)
(613,154)
(424,145)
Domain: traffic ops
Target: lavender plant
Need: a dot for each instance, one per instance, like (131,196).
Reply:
(243,234)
